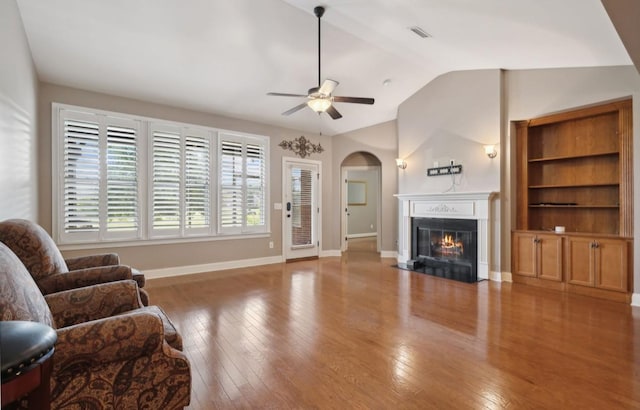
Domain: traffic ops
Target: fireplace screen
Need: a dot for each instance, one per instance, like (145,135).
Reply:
(445,247)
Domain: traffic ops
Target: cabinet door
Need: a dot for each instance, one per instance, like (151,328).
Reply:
(611,264)
(580,261)
(525,255)
(550,257)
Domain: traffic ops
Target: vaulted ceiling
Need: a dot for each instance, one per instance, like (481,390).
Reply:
(223,56)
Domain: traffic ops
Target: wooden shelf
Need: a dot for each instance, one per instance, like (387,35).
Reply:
(572,186)
(575,169)
(570,157)
(573,206)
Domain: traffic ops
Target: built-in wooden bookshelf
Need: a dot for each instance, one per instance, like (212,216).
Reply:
(575,170)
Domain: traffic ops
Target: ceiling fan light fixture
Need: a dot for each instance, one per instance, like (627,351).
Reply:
(319,104)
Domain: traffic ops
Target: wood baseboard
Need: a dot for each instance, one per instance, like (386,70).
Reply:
(576,289)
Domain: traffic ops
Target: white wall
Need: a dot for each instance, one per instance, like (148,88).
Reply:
(452,117)
(381,141)
(18,96)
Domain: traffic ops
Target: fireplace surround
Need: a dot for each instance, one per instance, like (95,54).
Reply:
(475,206)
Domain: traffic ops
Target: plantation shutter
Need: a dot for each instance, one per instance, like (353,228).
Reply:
(256,176)
(231,184)
(243,181)
(197,174)
(167,164)
(122,179)
(81,163)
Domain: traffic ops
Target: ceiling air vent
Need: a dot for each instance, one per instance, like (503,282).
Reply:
(420,32)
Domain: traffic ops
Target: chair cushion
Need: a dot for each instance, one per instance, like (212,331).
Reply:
(20,298)
(33,245)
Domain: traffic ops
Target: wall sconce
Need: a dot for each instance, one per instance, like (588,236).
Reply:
(490,150)
(400,163)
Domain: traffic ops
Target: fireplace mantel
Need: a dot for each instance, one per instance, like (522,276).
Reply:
(459,205)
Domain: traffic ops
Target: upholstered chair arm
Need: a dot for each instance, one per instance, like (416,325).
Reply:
(91,261)
(103,341)
(93,302)
(83,277)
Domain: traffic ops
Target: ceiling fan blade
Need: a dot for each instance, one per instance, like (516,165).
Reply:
(328,86)
(287,95)
(296,108)
(333,112)
(356,100)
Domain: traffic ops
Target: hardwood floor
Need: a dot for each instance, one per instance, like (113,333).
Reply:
(366,244)
(354,332)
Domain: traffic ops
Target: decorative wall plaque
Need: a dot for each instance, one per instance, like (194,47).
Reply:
(302,147)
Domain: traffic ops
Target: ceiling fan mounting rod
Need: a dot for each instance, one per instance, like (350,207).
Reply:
(319,11)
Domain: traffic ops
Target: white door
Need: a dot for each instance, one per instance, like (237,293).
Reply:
(301,208)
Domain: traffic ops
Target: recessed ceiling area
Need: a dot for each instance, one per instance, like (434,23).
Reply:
(223,56)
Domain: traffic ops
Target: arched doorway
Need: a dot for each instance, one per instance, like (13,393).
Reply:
(360,202)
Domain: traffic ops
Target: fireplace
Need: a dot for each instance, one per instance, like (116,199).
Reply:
(476,207)
(445,247)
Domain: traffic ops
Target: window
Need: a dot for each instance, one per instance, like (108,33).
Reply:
(129,178)
(242,184)
(99,195)
(181,171)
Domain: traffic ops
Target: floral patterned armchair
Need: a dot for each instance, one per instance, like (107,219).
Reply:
(52,273)
(111,353)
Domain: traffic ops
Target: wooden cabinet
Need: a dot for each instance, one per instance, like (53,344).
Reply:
(574,169)
(597,262)
(580,262)
(538,255)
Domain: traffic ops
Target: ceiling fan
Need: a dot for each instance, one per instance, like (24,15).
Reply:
(320,98)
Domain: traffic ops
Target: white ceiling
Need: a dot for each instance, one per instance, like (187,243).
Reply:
(223,56)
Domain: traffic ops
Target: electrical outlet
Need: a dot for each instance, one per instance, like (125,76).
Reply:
(371,227)
(270,244)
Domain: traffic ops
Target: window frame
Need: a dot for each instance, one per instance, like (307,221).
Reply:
(146,234)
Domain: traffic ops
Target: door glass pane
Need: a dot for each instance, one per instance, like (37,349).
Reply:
(301,201)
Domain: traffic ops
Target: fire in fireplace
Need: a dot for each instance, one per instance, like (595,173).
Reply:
(445,247)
